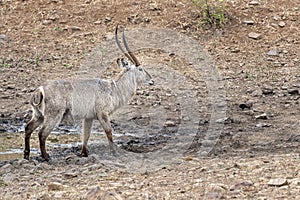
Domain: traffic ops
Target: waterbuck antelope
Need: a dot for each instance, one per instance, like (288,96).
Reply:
(86,99)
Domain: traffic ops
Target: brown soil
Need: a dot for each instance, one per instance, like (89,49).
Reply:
(257,154)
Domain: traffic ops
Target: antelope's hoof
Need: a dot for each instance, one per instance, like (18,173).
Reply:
(83,154)
(26,157)
(46,157)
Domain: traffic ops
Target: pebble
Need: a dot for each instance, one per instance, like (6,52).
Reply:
(262,116)
(293,91)
(262,125)
(281,24)
(253,3)
(3,37)
(70,175)
(248,22)
(47,22)
(277,182)
(53,17)
(267,90)
(254,36)
(247,105)
(273,52)
(97,22)
(235,50)
(73,28)
(55,186)
(241,184)
(107,19)
(169,123)
(276,18)
(257,93)
(284,88)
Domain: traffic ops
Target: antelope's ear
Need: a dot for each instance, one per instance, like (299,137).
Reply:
(122,63)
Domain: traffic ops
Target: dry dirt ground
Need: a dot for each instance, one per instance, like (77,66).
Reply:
(257,154)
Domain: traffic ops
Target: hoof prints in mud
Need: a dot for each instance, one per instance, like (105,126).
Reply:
(145,145)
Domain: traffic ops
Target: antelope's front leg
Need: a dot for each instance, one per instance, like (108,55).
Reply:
(104,121)
(86,126)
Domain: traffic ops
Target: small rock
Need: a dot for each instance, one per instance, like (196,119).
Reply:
(70,175)
(253,3)
(10,87)
(241,185)
(281,24)
(226,120)
(97,22)
(262,125)
(256,93)
(276,18)
(188,158)
(248,22)
(54,186)
(277,182)
(154,6)
(73,28)
(293,91)
(272,52)
(285,51)
(284,88)
(53,17)
(3,37)
(169,123)
(267,91)
(147,20)
(107,19)
(47,22)
(235,50)
(246,105)
(254,36)
(262,116)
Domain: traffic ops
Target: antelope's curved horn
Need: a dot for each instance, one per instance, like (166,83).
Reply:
(136,62)
(121,48)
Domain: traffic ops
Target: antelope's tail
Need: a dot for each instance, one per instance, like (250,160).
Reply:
(37,97)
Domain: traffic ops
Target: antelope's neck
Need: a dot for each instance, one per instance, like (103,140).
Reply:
(125,88)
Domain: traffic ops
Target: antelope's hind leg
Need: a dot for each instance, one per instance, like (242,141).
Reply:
(48,125)
(86,130)
(29,128)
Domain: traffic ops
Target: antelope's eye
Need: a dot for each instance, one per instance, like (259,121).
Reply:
(141,69)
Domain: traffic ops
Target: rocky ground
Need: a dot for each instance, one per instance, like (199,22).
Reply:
(256,54)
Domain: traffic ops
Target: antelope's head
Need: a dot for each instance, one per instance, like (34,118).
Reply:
(133,65)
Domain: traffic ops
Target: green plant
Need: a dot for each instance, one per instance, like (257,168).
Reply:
(37,60)
(3,183)
(68,66)
(59,29)
(5,64)
(213,12)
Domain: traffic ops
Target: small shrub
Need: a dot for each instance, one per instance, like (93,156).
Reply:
(213,12)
